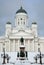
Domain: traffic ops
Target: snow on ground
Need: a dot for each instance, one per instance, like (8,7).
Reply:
(13,59)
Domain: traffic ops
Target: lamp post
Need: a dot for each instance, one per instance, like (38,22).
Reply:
(40,56)
(8,57)
(4,56)
(35,59)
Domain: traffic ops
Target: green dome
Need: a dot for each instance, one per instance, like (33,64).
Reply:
(34,23)
(21,10)
(8,22)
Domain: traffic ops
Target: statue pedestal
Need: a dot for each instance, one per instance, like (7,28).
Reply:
(22,58)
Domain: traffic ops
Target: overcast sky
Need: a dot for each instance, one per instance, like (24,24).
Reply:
(34,8)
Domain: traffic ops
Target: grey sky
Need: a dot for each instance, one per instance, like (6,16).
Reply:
(34,8)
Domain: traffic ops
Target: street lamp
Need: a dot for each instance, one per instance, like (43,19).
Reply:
(4,56)
(40,56)
(35,59)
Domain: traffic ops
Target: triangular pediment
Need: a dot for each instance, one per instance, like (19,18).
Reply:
(22,33)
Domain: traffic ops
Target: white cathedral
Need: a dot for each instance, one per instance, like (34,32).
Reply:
(12,42)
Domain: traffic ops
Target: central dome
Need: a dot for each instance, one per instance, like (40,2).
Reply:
(21,10)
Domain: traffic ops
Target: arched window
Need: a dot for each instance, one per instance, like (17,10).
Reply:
(24,23)
(21,22)
(38,49)
(3,49)
(18,23)
(21,18)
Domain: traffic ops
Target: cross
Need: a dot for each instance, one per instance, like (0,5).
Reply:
(20,2)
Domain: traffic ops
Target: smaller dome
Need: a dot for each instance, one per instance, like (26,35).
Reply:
(34,23)
(8,22)
(21,10)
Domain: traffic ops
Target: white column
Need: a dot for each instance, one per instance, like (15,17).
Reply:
(24,41)
(32,45)
(9,45)
(1,47)
(5,45)
(13,45)
(18,45)
(28,46)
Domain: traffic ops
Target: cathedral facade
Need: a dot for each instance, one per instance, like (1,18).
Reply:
(12,42)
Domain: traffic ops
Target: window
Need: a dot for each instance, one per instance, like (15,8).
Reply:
(21,22)
(3,49)
(21,18)
(18,23)
(38,49)
(38,44)
(24,23)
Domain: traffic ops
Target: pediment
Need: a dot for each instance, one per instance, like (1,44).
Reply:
(22,33)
